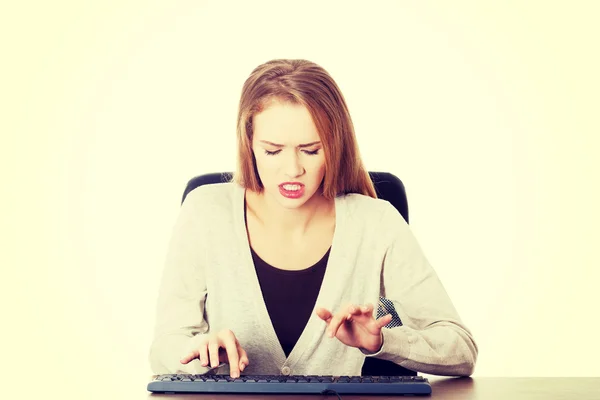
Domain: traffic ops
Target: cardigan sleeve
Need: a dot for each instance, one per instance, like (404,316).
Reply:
(432,338)
(180,322)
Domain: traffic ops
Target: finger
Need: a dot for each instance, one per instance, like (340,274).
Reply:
(383,321)
(203,353)
(244,361)
(233,357)
(213,352)
(188,357)
(337,321)
(324,314)
(334,323)
(367,309)
(354,310)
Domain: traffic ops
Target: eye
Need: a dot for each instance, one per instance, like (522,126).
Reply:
(271,153)
(312,153)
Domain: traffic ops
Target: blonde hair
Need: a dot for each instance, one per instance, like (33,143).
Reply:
(304,83)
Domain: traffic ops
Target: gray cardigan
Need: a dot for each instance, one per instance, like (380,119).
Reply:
(209,283)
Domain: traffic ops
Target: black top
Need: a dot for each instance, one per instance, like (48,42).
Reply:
(290,297)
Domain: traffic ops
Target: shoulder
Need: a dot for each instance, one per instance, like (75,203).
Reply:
(212,197)
(363,206)
(376,216)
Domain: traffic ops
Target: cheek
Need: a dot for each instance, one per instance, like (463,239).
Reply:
(316,168)
(319,165)
(265,163)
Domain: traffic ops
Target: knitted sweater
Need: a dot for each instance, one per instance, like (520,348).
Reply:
(209,283)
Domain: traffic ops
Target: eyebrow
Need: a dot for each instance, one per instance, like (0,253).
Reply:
(280,145)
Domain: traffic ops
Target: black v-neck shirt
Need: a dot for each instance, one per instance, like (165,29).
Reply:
(290,297)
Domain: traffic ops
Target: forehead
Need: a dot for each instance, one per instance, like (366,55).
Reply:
(285,123)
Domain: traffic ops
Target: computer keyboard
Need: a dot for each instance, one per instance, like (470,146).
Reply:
(308,384)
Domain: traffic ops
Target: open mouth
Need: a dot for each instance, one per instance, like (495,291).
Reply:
(291,190)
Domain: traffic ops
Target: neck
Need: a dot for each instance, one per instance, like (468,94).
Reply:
(290,223)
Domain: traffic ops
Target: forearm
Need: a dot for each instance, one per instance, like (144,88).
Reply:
(182,294)
(442,349)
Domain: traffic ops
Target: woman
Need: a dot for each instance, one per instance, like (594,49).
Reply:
(277,271)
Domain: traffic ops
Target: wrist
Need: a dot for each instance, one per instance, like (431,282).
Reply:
(376,348)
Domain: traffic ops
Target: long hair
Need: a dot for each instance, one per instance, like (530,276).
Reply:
(304,83)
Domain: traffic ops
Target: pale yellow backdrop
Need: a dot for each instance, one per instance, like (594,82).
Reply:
(488,111)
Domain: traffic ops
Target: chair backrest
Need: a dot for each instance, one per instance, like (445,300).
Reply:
(388,187)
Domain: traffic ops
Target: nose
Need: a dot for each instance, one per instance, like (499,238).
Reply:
(293,167)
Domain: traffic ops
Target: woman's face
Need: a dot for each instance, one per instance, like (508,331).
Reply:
(289,155)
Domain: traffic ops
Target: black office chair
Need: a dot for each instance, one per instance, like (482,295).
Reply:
(388,187)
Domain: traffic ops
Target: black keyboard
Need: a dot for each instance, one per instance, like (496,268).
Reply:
(306,384)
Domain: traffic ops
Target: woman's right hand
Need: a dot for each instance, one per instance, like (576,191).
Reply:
(220,347)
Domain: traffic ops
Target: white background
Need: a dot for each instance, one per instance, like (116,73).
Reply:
(487,111)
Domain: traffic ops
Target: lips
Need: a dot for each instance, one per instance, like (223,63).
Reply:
(291,190)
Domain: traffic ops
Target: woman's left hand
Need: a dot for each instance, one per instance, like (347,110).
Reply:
(355,326)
